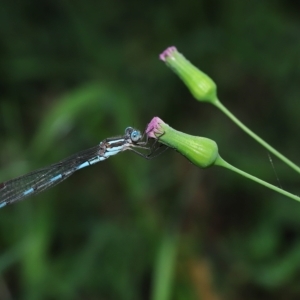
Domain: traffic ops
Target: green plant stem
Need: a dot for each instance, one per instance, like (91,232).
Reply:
(165,266)
(222,163)
(257,138)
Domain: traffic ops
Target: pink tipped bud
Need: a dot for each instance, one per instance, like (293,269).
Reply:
(200,85)
(200,151)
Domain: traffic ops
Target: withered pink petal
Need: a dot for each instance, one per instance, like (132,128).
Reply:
(154,128)
(168,52)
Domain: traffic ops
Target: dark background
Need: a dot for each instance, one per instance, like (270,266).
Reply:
(76,72)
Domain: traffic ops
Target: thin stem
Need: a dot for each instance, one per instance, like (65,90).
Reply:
(165,265)
(222,163)
(256,137)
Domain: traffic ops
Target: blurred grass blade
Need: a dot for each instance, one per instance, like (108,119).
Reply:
(164,269)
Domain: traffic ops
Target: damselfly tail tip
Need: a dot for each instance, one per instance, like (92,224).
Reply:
(3,204)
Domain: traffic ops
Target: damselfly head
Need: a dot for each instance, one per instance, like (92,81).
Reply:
(133,134)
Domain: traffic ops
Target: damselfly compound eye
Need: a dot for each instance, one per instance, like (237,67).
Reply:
(128,130)
(135,135)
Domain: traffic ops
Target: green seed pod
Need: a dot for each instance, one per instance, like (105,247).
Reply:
(200,85)
(201,151)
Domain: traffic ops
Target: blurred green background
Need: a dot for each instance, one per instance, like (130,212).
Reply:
(76,72)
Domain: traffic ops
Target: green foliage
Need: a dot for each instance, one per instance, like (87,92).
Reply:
(74,73)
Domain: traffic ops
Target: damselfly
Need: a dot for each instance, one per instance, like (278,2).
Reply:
(34,182)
